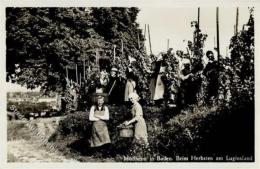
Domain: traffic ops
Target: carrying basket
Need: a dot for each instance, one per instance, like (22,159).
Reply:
(126,131)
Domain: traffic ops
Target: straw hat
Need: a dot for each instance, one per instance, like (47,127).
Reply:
(114,69)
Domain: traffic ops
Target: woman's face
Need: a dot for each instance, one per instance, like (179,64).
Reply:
(100,101)
(132,100)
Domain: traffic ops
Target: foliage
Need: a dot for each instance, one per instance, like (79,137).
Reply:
(183,133)
(198,43)
(242,63)
(225,76)
(76,128)
(207,131)
(197,130)
(171,74)
(42,42)
(76,124)
(199,81)
(195,55)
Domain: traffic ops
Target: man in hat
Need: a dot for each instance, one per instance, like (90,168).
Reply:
(114,87)
(186,94)
(210,72)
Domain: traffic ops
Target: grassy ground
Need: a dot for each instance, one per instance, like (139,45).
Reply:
(17,130)
(198,130)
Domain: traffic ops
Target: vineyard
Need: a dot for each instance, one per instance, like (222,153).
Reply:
(206,109)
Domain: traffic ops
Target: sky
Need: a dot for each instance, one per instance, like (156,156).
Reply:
(175,24)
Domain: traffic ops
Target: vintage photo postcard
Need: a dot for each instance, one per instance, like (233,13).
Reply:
(166,85)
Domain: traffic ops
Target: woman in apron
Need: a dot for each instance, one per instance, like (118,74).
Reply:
(99,114)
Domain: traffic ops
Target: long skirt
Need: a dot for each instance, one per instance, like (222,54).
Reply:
(159,88)
(141,131)
(100,135)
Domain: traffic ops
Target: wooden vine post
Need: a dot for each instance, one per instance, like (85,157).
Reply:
(77,80)
(149,36)
(217,24)
(114,52)
(218,52)
(84,70)
(237,15)
(67,73)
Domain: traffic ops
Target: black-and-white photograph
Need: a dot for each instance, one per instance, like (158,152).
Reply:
(130,84)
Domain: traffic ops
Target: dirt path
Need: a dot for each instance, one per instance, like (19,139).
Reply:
(28,151)
(33,150)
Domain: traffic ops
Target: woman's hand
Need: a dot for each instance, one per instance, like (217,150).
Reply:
(126,123)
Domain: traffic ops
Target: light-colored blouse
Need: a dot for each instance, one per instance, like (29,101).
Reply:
(137,111)
(103,117)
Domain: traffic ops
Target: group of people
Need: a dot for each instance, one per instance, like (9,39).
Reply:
(191,82)
(187,87)
(116,89)
(99,115)
(111,87)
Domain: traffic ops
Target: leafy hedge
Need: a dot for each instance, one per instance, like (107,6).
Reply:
(74,130)
(208,131)
(195,130)
(183,133)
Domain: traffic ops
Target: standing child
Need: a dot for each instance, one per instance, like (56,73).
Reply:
(99,114)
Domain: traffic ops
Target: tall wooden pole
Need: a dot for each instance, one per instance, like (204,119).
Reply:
(237,15)
(217,20)
(67,73)
(97,57)
(84,70)
(77,80)
(144,37)
(195,36)
(198,17)
(80,79)
(218,53)
(122,47)
(114,52)
(149,39)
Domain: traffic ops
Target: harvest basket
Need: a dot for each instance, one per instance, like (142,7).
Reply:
(126,131)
